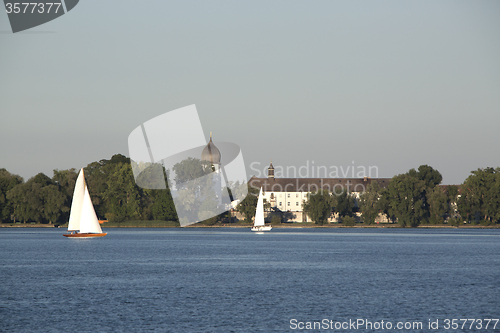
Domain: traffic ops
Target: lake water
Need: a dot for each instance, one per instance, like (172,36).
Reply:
(233,280)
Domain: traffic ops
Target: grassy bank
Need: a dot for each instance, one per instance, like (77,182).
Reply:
(125,224)
(141,224)
(239,224)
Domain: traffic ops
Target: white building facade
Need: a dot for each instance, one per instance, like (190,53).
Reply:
(287,195)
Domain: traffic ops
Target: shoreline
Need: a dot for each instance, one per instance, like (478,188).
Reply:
(290,226)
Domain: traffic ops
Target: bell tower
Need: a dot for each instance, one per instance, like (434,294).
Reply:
(270,171)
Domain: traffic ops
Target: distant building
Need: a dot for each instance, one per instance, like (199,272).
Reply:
(211,154)
(288,194)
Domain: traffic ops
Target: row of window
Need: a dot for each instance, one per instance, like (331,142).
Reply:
(296,194)
(296,203)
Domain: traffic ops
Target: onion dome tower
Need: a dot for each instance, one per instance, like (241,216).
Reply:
(270,171)
(212,155)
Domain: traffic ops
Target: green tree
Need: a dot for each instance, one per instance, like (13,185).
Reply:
(431,178)
(97,176)
(369,202)
(452,193)
(480,196)
(248,206)
(406,195)
(384,204)
(116,159)
(162,207)
(7,182)
(188,171)
(39,199)
(455,221)
(349,221)
(18,201)
(27,200)
(53,203)
(198,191)
(207,202)
(439,205)
(42,179)
(122,195)
(344,204)
(318,206)
(36,196)
(65,180)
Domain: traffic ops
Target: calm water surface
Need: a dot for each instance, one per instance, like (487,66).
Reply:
(233,280)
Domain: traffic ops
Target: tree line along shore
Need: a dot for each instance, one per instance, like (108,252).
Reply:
(412,199)
(284,225)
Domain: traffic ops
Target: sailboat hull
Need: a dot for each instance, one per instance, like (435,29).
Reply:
(85,235)
(262,228)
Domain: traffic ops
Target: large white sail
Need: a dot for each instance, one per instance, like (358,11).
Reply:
(259,212)
(82,217)
(77,203)
(89,222)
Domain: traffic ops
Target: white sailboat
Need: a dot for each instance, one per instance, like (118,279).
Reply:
(82,218)
(259,215)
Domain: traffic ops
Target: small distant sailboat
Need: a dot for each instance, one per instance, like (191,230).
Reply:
(259,215)
(82,218)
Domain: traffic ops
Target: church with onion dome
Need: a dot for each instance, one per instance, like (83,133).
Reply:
(211,154)
(287,195)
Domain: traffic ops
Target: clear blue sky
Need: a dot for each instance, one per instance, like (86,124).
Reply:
(392,84)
